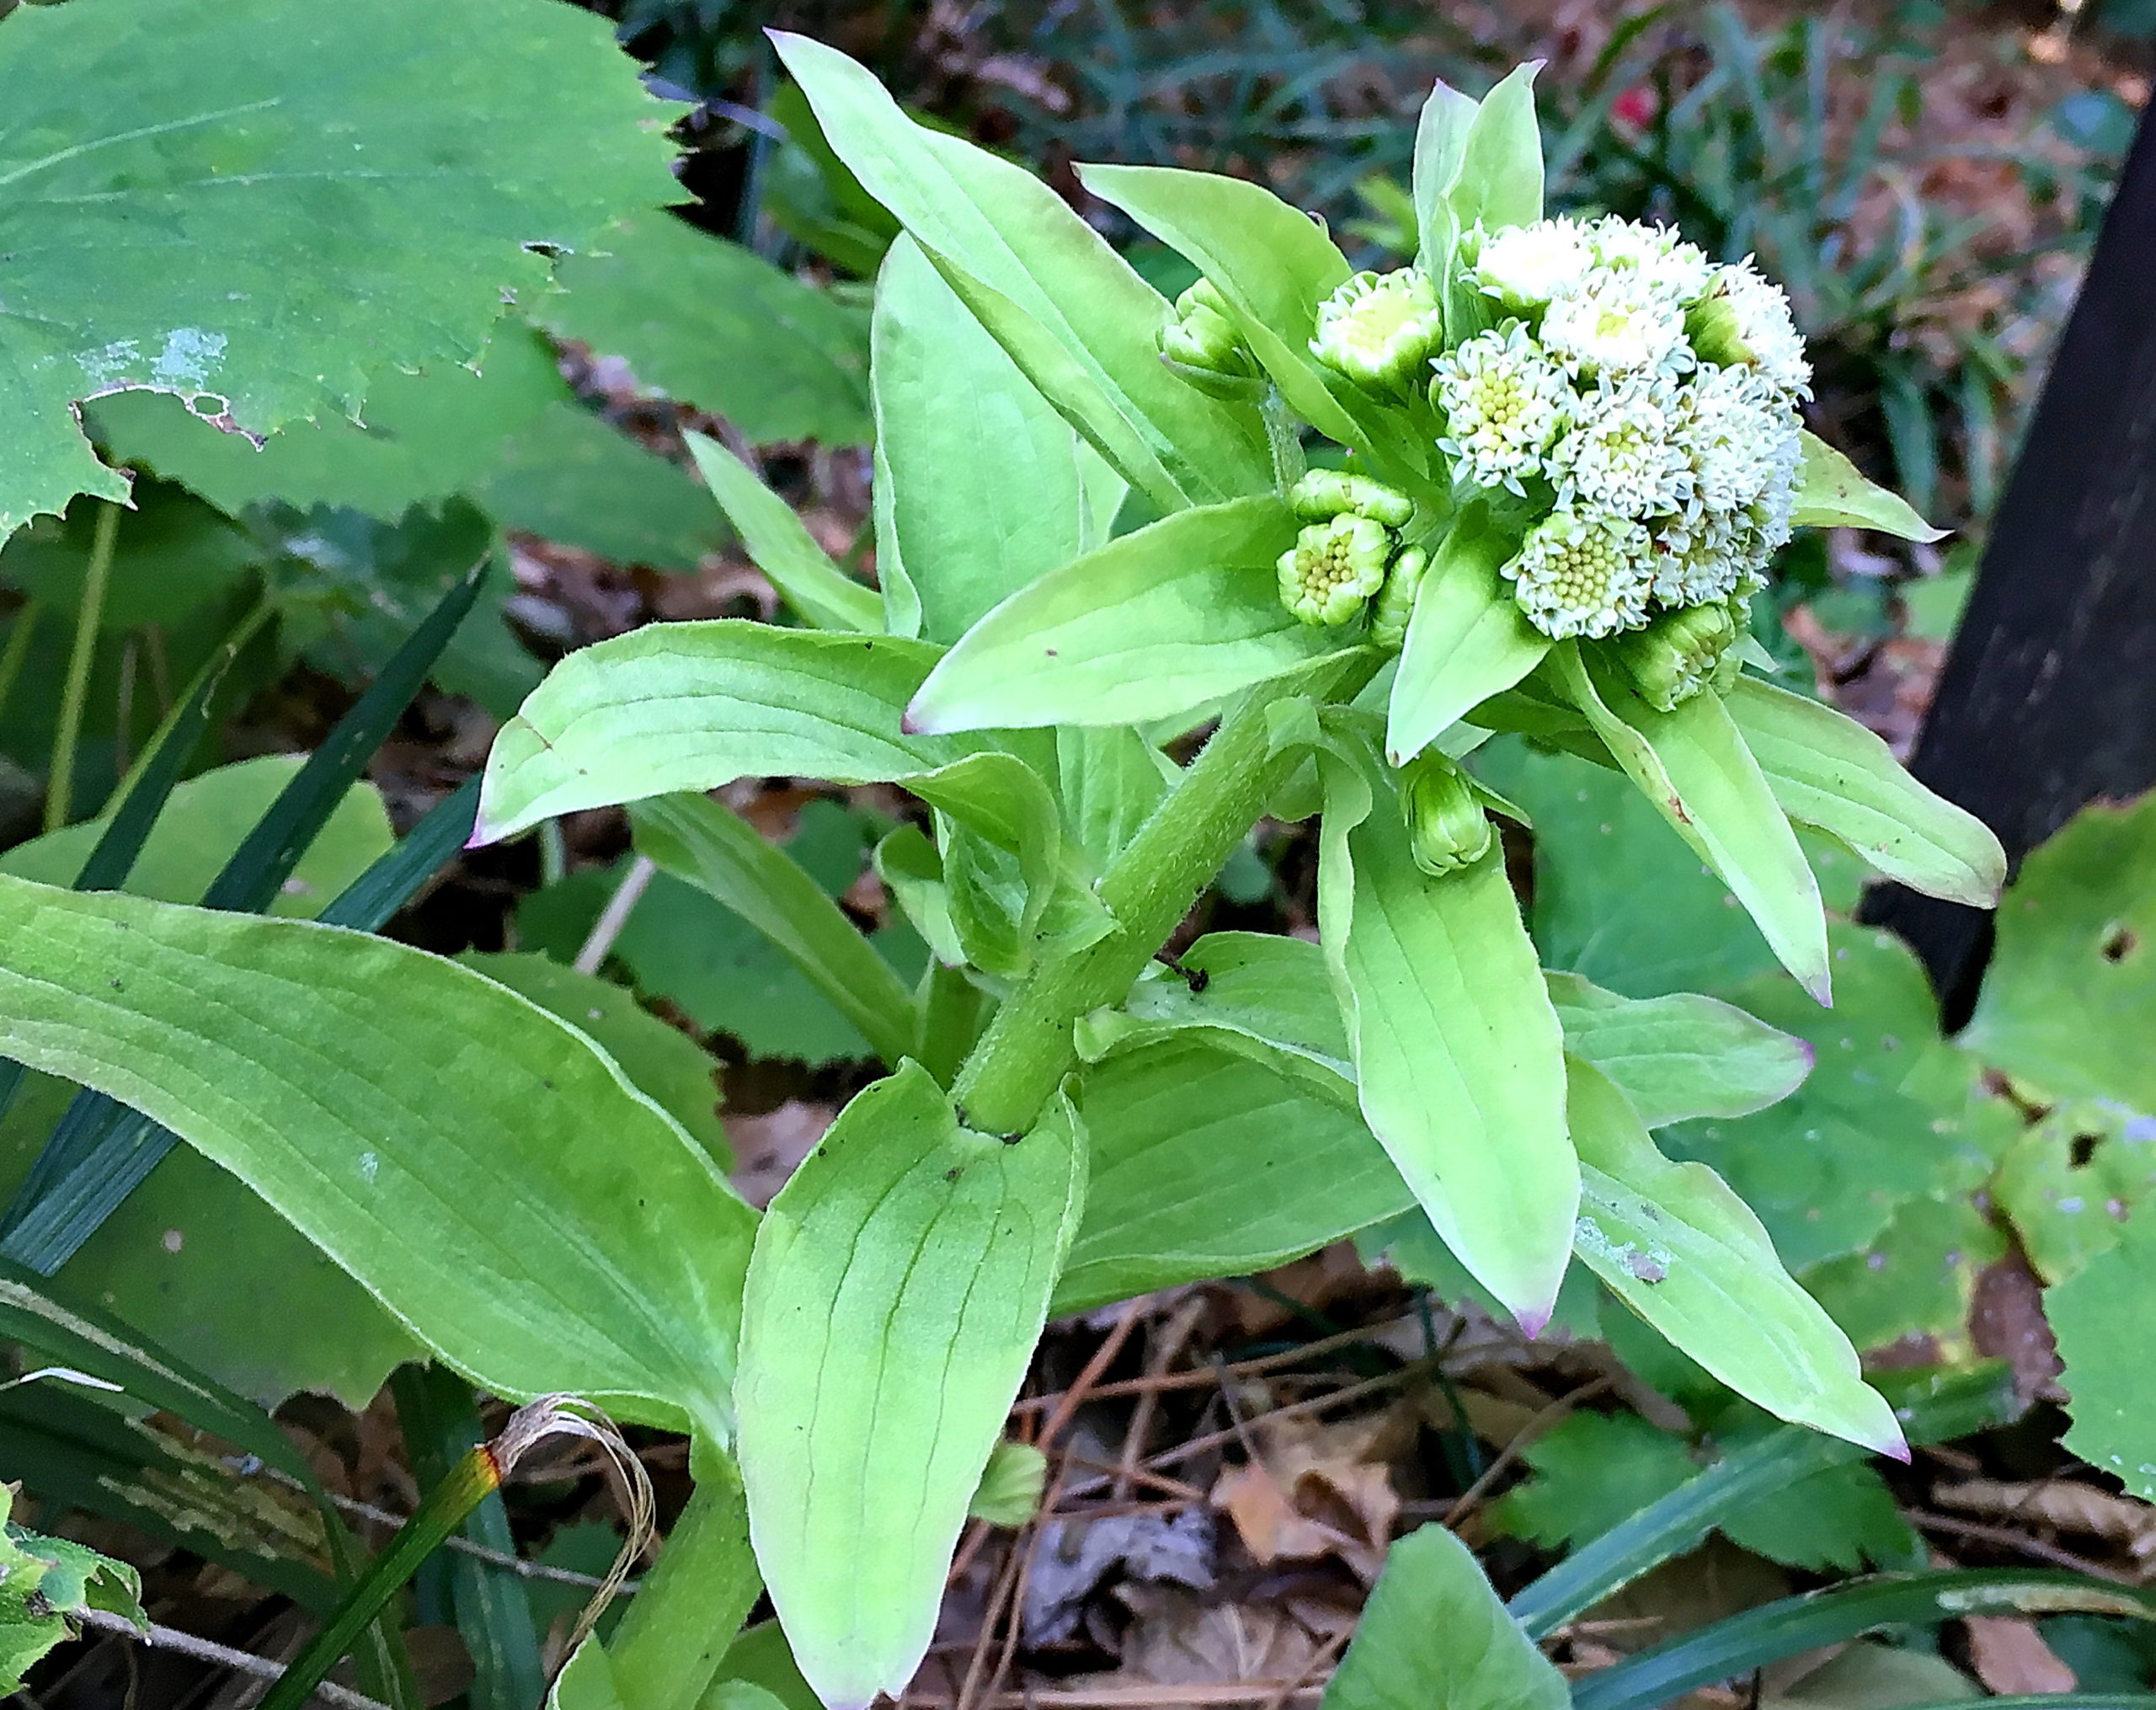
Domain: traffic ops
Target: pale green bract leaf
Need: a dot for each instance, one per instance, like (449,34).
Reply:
(1156,624)
(1458,1057)
(1209,1163)
(676,707)
(1686,1254)
(1828,772)
(1274,265)
(714,324)
(480,1168)
(1831,493)
(1440,140)
(1436,1637)
(1467,640)
(781,545)
(980,486)
(1692,765)
(2080,923)
(1500,178)
(1110,778)
(1682,1056)
(900,1280)
(713,848)
(366,180)
(1072,313)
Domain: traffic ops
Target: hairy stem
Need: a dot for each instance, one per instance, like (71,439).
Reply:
(1028,1047)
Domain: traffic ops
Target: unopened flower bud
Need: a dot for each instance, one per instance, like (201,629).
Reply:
(1447,828)
(1333,568)
(1324,493)
(1675,656)
(1396,599)
(1202,342)
(1379,329)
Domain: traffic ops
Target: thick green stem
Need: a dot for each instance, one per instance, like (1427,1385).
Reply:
(60,786)
(671,1644)
(1028,1047)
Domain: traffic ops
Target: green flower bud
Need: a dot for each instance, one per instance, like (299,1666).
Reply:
(1202,344)
(1324,493)
(1676,655)
(1333,568)
(1446,825)
(1379,329)
(1396,600)
(1711,328)
(1729,667)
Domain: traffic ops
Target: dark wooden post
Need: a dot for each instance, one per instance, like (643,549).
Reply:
(2048,699)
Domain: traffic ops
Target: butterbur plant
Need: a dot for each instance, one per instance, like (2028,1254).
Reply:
(1526,485)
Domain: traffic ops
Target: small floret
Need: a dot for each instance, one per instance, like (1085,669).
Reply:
(1333,569)
(1504,403)
(1616,324)
(1379,328)
(1524,267)
(1583,575)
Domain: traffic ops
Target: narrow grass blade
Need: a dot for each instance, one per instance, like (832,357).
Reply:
(369,901)
(1791,1625)
(265,859)
(1950,1407)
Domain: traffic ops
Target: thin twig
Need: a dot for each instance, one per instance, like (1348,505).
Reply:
(206,1651)
(616,914)
(464,1545)
(2006,1538)
(1207,1378)
(1521,1440)
(1167,1347)
(1392,1380)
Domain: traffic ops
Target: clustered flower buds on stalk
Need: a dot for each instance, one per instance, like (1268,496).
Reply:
(1348,552)
(1632,414)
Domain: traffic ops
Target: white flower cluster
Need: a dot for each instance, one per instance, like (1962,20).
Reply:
(1648,396)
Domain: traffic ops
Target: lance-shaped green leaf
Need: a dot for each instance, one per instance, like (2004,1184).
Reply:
(1440,141)
(1435,1637)
(1071,312)
(677,707)
(1682,1056)
(1274,265)
(1152,625)
(715,849)
(1467,640)
(474,1161)
(1458,1055)
(980,486)
(1827,771)
(781,545)
(1831,493)
(1686,1253)
(1692,765)
(900,1280)
(1109,778)
(1207,1162)
(370,197)
(1500,178)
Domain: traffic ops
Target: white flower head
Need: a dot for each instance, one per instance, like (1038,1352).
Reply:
(1504,402)
(1379,328)
(1656,256)
(1525,266)
(1583,575)
(1761,312)
(1616,324)
(1735,424)
(1623,455)
(1699,555)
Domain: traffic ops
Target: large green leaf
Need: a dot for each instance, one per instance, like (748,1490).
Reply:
(173,557)
(1827,771)
(367,181)
(677,707)
(1207,1163)
(425,436)
(1155,624)
(1692,765)
(980,486)
(1459,1056)
(1685,1252)
(1467,640)
(45,1584)
(1435,1637)
(2068,998)
(1072,313)
(716,325)
(2101,1320)
(467,1157)
(900,1280)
